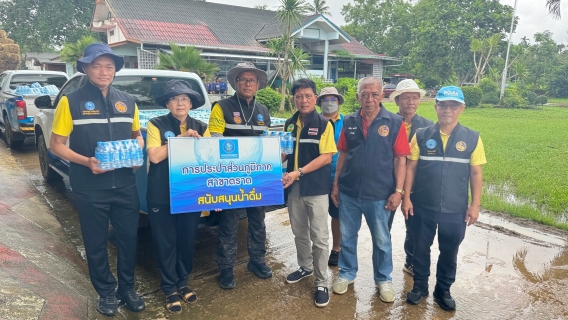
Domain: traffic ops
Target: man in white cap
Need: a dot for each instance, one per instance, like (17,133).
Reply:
(407,97)
(329,101)
(241,115)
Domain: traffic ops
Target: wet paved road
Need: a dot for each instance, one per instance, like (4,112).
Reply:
(505,271)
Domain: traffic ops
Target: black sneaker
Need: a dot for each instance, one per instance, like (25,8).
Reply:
(444,299)
(333,258)
(227,279)
(298,275)
(322,297)
(408,268)
(108,305)
(131,299)
(419,291)
(260,270)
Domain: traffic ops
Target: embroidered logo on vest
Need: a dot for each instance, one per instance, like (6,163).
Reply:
(290,128)
(384,130)
(89,106)
(313,131)
(169,134)
(237,117)
(461,146)
(431,144)
(120,107)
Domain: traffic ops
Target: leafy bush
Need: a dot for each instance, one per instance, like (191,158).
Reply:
(320,84)
(472,96)
(540,100)
(487,86)
(530,97)
(491,98)
(270,98)
(351,104)
(512,99)
(343,84)
(558,83)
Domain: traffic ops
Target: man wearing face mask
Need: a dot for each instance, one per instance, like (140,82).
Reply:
(329,101)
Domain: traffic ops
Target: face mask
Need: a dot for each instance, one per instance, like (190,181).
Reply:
(329,107)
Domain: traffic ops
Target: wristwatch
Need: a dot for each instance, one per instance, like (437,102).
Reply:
(300,171)
(399,190)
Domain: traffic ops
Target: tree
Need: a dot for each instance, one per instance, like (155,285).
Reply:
(541,59)
(554,8)
(9,53)
(261,7)
(482,50)
(288,15)
(44,25)
(187,59)
(319,7)
(558,82)
(73,51)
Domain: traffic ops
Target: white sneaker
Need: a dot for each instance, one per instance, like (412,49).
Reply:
(386,291)
(340,285)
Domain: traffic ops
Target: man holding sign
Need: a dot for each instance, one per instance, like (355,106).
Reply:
(308,180)
(241,115)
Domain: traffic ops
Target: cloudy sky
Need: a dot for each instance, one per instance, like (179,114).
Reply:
(533,16)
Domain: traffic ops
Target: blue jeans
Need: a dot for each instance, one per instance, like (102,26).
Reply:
(377,217)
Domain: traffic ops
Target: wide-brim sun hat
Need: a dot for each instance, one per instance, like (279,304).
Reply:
(407,85)
(329,91)
(244,67)
(95,50)
(177,87)
(450,93)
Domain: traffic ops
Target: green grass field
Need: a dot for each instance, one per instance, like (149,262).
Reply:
(526,174)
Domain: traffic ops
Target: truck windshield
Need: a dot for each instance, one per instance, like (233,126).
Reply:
(146,89)
(43,79)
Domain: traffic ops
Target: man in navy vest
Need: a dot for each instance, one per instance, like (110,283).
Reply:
(368,181)
(446,159)
(99,112)
(407,96)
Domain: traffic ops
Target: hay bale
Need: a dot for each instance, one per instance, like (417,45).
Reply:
(9,53)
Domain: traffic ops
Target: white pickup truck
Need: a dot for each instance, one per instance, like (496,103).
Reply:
(17,108)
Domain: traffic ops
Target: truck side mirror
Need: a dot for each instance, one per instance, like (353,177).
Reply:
(43,102)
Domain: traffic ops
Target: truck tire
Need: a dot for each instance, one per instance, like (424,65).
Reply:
(9,136)
(46,171)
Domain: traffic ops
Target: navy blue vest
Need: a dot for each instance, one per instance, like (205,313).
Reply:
(238,124)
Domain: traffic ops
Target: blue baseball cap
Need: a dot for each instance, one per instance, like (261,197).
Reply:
(450,93)
(95,50)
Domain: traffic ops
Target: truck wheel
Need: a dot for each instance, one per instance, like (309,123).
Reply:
(46,171)
(9,135)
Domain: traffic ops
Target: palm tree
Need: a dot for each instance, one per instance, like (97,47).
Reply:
(73,51)
(187,59)
(319,7)
(554,8)
(288,15)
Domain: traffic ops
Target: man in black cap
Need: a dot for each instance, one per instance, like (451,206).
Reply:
(92,113)
(241,115)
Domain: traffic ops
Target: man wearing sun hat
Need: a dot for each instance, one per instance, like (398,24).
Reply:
(329,101)
(99,112)
(241,115)
(407,97)
(445,159)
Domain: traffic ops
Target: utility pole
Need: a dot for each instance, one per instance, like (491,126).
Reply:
(504,78)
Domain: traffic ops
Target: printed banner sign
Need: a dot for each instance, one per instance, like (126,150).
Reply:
(224,173)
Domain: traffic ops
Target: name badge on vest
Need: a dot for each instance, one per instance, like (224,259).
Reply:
(89,109)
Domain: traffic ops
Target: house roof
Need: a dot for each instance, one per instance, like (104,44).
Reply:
(208,25)
(44,57)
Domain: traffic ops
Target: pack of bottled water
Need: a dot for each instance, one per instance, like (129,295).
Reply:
(119,154)
(286,140)
(36,89)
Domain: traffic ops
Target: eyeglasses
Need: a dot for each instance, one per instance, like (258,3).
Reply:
(452,106)
(332,99)
(182,99)
(246,81)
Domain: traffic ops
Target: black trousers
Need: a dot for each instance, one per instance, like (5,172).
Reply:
(174,238)
(227,246)
(408,240)
(451,232)
(96,208)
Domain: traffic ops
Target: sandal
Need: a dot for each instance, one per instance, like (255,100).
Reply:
(173,305)
(187,294)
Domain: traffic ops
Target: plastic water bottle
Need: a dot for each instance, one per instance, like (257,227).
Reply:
(138,156)
(102,153)
(265,133)
(288,146)
(115,155)
(127,153)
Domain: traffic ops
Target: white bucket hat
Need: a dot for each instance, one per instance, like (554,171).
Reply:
(407,85)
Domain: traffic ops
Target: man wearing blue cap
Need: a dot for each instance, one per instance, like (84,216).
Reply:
(445,158)
(92,113)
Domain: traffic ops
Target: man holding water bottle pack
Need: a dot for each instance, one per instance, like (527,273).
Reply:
(99,112)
